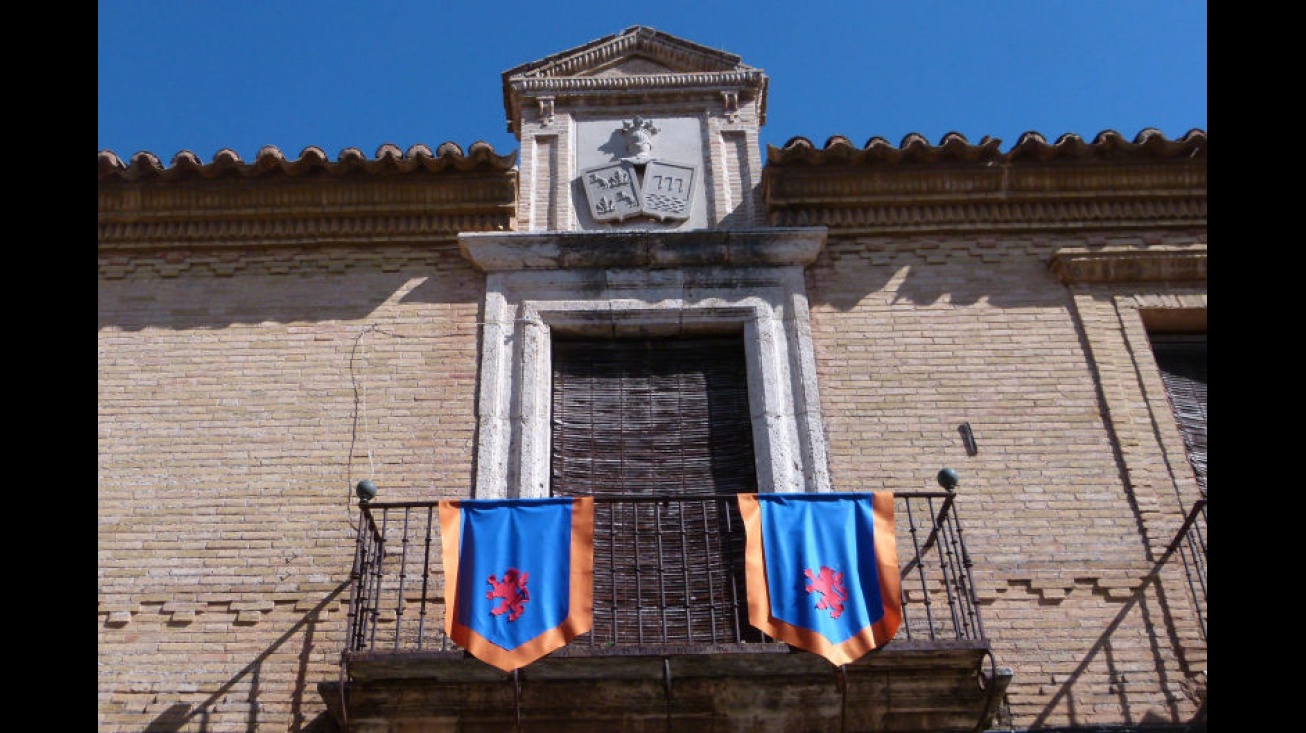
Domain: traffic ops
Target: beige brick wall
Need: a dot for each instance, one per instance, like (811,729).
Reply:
(242,396)
(235,414)
(916,335)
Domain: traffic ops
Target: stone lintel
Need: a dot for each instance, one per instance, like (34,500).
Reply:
(1112,265)
(508,251)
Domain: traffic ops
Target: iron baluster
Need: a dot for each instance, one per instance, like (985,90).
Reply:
(726,547)
(710,558)
(912,532)
(367,600)
(968,595)
(378,573)
(919,562)
(958,593)
(426,577)
(403,575)
(946,567)
(355,588)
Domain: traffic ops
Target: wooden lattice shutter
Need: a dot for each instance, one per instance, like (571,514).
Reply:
(658,417)
(651,415)
(1182,361)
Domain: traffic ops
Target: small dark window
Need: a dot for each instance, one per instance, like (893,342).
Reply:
(645,418)
(1182,361)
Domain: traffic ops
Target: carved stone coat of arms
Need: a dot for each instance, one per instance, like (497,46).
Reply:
(639,185)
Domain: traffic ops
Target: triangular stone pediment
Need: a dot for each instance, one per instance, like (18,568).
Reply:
(639,63)
(629,50)
(635,66)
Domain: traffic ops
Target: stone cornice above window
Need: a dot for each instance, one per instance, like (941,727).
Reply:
(1075,265)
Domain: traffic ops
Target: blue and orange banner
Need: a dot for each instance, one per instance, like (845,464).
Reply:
(822,571)
(519,575)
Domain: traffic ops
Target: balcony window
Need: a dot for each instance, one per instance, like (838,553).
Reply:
(664,417)
(547,288)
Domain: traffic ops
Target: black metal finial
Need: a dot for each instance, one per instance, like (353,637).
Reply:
(948,479)
(366,490)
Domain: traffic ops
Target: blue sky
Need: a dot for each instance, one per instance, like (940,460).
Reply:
(241,74)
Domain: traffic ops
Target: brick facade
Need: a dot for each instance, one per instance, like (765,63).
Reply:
(236,414)
(915,336)
(261,351)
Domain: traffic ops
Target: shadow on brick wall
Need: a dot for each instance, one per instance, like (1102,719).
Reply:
(197,716)
(311,290)
(1160,718)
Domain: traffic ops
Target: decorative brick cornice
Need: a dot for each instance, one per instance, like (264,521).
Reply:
(147,213)
(1107,184)
(305,232)
(925,216)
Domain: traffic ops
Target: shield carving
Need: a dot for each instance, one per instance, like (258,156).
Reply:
(666,190)
(612,191)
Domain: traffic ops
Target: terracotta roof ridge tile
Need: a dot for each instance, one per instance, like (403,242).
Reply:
(1032,145)
(389,159)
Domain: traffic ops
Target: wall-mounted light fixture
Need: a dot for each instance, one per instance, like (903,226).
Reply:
(968,438)
(948,478)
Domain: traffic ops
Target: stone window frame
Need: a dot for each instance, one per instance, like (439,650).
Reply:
(640,284)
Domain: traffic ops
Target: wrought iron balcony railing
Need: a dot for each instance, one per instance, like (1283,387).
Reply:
(668,572)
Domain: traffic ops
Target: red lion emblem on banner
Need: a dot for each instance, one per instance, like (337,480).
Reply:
(830,585)
(512,589)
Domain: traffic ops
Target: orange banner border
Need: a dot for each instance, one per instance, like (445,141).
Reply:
(580,609)
(759,597)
